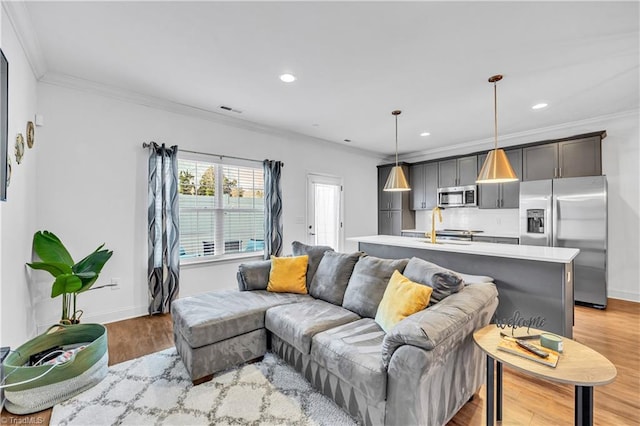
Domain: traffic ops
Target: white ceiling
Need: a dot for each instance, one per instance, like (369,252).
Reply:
(355,62)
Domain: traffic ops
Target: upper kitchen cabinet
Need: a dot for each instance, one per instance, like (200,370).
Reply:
(458,171)
(501,195)
(569,158)
(540,162)
(580,157)
(424,186)
(389,200)
(393,206)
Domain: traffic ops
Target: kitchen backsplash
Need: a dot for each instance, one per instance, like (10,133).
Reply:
(498,222)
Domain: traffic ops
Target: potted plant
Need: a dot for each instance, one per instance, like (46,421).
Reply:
(70,278)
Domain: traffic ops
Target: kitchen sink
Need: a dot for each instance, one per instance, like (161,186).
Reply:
(455,243)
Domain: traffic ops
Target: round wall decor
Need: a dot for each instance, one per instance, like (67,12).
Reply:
(30,134)
(19,148)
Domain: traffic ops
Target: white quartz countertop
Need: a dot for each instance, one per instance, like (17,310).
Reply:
(537,253)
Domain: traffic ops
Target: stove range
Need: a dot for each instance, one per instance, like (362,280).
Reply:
(456,234)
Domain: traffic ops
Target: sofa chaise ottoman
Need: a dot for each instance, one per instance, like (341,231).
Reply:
(419,371)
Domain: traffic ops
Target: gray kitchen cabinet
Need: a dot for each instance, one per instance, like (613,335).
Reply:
(424,186)
(458,171)
(580,157)
(448,173)
(501,195)
(389,200)
(394,214)
(510,196)
(495,240)
(418,184)
(540,162)
(570,158)
(392,222)
(467,170)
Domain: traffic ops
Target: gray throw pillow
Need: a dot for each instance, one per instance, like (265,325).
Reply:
(444,282)
(368,283)
(254,275)
(315,254)
(332,276)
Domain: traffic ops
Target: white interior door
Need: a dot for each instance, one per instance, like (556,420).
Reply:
(324,211)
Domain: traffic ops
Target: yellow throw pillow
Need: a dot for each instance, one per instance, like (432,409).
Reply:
(402,298)
(288,274)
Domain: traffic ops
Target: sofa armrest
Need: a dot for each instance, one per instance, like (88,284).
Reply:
(432,327)
(254,275)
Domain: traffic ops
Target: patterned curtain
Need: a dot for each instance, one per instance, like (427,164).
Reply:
(164,241)
(272,208)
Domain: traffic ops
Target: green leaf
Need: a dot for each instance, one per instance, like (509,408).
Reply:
(86,275)
(65,283)
(53,268)
(92,263)
(50,249)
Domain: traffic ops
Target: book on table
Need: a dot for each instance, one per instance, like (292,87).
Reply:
(512,347)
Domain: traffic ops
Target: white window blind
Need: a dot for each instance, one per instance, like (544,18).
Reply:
(221,209)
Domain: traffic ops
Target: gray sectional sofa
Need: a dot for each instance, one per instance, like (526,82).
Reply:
(419,373)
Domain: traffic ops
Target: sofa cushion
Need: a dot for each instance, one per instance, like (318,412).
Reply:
(353,353)
(438,324)
(368,283)
(288,274)
(254,275)
(219,315)
(332,276)
(443,281)
(297,323)
(475,279)
(402,298)
(315,254)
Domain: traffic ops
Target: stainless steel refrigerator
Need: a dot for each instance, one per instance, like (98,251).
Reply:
(570,212)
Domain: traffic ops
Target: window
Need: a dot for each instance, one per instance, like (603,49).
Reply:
(221,209)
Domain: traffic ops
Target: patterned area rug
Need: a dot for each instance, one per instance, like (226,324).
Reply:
(156,389)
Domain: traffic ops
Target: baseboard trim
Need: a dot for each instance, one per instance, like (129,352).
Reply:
(104,317)
(624,295)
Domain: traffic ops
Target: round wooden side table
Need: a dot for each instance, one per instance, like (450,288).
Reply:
(578,365)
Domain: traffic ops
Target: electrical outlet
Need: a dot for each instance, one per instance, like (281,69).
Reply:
(115,284)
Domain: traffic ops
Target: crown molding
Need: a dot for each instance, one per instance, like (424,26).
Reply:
(89,86)
(23,27)
(518,137)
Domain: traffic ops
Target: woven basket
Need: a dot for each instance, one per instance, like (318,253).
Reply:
(84,370)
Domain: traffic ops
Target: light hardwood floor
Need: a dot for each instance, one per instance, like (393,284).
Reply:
(614,332)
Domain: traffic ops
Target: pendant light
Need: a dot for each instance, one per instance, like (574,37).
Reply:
(496,167)
(396,180)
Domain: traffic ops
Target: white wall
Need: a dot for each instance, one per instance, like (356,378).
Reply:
(93,188)
(621,164)
(18,213)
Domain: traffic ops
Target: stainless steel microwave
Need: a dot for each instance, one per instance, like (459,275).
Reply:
(458,196)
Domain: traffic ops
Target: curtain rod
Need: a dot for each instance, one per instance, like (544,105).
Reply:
(147,145)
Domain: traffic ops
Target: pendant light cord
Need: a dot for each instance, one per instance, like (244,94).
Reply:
(396,140)
(495,115)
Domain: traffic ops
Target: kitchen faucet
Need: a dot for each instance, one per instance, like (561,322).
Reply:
(435,210)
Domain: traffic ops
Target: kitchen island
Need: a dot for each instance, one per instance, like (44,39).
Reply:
(533,282)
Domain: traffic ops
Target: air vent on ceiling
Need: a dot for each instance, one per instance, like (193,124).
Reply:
(227,108)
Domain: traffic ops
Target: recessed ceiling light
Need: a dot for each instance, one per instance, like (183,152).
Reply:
(425,134)
(540,106)
(288,78)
